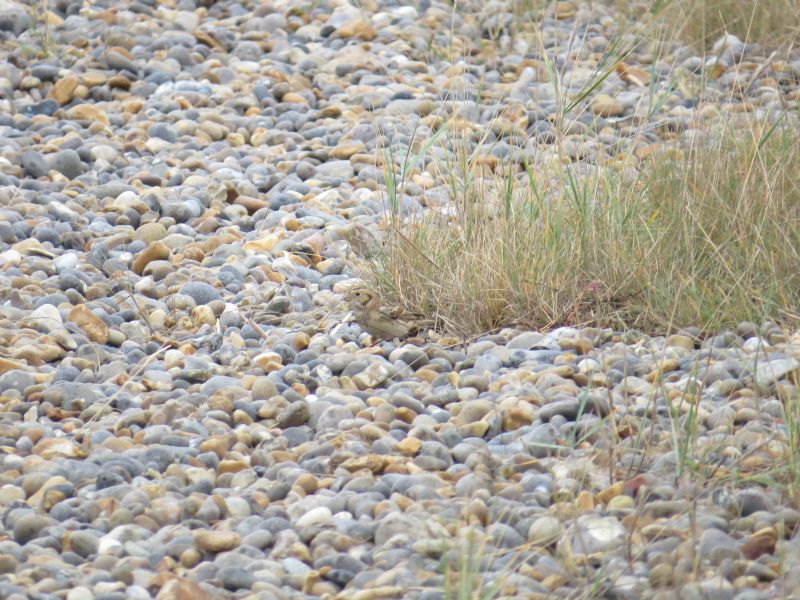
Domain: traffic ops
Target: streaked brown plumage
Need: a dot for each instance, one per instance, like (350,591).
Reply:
(378,320)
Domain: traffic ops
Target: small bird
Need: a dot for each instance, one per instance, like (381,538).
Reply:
(378,320)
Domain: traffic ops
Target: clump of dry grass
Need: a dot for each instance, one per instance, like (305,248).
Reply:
(773,23)
(729,239)
(701,22)
(702,233)
(706,235)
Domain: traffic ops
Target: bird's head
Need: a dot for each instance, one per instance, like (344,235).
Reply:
(359,297)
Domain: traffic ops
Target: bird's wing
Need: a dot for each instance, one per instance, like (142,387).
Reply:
(416,321)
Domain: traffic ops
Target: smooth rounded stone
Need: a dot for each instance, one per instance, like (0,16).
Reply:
(16,380)
(789,516)
(604,105)
(30,525)
(238,507)
(45,71)
(341,561)
(84,543)
(539,440)
(119,59)
(66,261)
(163,131)
(200,292)
(718,546)
(730,47)
(330,417)
(393,525)
(504,536)
(67,162)
(8,563)
(219,382)
(474,411)
(259,539)
(10,493)
(591,534)
(620,504)
(235,578)
(544,531)
(567,408)
(315,517)
(402,400)
(208,512)
(80,593)
(216,540)
(751,594)
(770,371)
(14,19)
(7,233)
(335,169)
(747,330)
(414,357)
(294,566)
(681,341)
(34,164)
(752,500)
(70,280)
(294,415)
(150,232)
(46,107)
(104,152)
(469,484)
(276,524)
(715,588)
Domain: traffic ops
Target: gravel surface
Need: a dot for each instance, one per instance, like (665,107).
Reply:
(184,187)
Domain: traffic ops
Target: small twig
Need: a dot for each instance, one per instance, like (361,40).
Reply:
(136,372)
(757,72)
(256,327)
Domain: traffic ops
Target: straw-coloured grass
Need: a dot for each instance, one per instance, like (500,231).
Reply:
(704,235)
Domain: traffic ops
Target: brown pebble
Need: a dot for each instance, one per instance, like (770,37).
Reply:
(64,89)
(93,326)
(307,482)
(87,113)
(157,250)
(760,543)
(409,446)
(216,540)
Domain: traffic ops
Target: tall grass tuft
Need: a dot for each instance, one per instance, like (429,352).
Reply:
(705,235)
(700,22)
